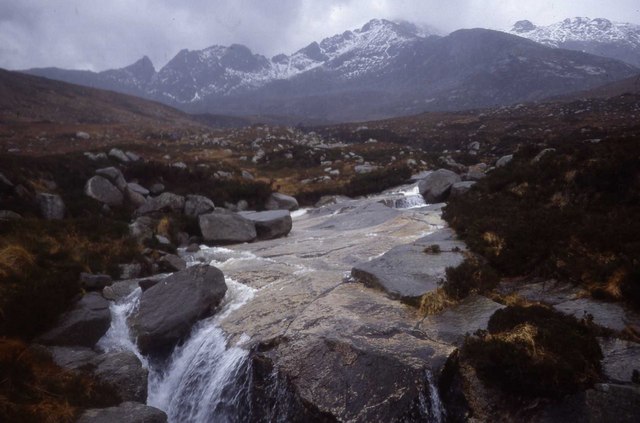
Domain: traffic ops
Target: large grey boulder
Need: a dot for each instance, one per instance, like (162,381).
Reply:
(407,272)
(226,228)
(196,205)
(166,201)
(83,325)
(123,371)
(435,187)
(134,198)
(114,175)
(51,206)
(101,189)
(270,224)
(129,412)
(459,188)
(504,160)
(278,201)
(168,310)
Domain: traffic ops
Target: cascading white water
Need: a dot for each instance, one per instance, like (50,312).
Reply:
(191,386)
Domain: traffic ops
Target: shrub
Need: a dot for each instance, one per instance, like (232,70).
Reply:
(535,351)
(470,275)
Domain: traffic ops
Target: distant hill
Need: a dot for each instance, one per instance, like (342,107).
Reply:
(383,69)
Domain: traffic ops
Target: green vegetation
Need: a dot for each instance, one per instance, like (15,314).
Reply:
(571,215)
(535,352)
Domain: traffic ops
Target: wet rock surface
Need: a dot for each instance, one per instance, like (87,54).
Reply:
(122,371)
(168,310)
(407,272)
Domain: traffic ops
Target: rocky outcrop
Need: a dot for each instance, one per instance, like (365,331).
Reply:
(83,325)
(164,202)
(130,412)
(51,206)
(122,371)
(436,186)
(270,224)
(168,310)
(278,201)
(196,205)
(223,227)
(407,272)
(102,190)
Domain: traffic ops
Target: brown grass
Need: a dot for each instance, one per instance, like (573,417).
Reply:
(434,302)
(14,259)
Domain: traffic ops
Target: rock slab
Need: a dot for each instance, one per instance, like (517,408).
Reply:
(226,228)
(270,224)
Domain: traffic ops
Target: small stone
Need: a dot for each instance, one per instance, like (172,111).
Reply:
(83,135)
(51,206)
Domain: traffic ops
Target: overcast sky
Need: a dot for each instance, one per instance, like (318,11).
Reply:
(103,34)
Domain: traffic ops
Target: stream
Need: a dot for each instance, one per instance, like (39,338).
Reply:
(295,337)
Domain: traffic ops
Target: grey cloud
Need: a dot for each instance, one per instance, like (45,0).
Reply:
(101,34)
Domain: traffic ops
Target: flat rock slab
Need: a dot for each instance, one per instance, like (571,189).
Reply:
(355,215)
(406,272)
(83,325)
(129,412)
(608,315)
(453,324)
(270,224)
(621,358)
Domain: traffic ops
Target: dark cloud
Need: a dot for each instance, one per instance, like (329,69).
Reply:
(101,34)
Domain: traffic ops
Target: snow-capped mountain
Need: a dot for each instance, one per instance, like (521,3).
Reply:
(381,70)
(599,36)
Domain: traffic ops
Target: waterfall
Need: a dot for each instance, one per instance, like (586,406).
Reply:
(431,408)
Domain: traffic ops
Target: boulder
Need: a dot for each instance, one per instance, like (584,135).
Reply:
(171,263)
(436,186)
(278,201)
(226,227)
(51,206)
(120,155)
(83,325)
(134,198)
(129,412)
(83,135)
(156,189)
(93,282)
(270,224)
(164,202)
(138,188)
(195,205)
(168,310)
(460,188)
(365,168)
(99,188)
(9,215)
(123,371)
(114,175)
(72,358)
(142,228)
(504,160)
(132,156)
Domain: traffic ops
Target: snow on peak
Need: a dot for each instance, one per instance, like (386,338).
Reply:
(581,29)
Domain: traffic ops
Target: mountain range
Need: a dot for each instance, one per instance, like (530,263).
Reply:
(381,70)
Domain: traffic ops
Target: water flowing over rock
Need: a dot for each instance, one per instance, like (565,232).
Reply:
(83,325)
(226,228)
(168,310)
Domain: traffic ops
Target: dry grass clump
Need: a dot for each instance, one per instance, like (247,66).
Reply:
(535,352)
(34,389)
(14,259)
(434,302)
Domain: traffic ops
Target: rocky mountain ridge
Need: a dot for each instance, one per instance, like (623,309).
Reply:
(618,40)
(383,69)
